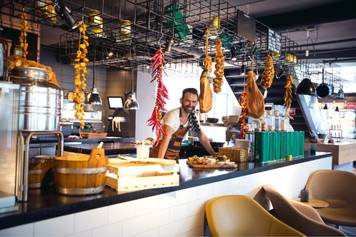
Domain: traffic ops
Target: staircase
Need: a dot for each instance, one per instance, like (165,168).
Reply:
(275,95)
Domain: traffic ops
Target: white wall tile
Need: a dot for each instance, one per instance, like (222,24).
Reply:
(187,209)
(142,223)
(91,219)
(196,231)
(187,195)
(146,205)
(178,227)
(21,230)
(121,211)
(167,200)
(59,226)
(88,233)
(111,230)
(149,233)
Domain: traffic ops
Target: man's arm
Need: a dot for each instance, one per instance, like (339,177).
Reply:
(204,140)
(167,134)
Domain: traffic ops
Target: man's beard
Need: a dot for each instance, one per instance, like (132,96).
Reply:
(188,109)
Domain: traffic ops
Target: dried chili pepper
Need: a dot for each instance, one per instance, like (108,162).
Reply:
(288,93)
(243,115)
(157,63)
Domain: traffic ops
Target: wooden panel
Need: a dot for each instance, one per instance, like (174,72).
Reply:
(342,153)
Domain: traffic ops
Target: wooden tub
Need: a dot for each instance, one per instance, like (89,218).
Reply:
(38,168)
(80,174)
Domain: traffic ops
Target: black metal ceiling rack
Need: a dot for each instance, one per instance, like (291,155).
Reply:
(151,27)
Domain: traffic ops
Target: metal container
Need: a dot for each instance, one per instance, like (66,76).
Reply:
(40,102)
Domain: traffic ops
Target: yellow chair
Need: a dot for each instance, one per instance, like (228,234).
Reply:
(338,188)
(237,215)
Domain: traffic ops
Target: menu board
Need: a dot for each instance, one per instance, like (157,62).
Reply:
(274,41)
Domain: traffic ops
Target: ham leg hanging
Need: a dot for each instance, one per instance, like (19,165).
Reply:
(255,100)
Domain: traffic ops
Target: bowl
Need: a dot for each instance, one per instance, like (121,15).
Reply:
(212,120)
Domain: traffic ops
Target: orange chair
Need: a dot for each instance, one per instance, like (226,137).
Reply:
(299,216)
(338,188)
(237,215)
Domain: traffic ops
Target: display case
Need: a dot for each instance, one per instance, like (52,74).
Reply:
(9,94)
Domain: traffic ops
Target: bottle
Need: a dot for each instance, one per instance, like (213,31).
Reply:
(276,121)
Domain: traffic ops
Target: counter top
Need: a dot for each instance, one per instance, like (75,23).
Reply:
(111,148)
(47,204)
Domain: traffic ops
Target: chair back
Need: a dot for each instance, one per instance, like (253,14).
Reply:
(305,218)
(332,184)
(234,215)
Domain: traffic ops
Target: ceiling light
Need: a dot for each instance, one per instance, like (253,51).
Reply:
(337,109)
(325,106)
(66,14)
(306,87)
(94,97)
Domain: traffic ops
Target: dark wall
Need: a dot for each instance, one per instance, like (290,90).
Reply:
(109,82)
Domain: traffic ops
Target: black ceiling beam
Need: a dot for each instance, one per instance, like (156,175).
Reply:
(340,11)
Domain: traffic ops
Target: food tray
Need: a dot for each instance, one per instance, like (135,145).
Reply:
(213,166)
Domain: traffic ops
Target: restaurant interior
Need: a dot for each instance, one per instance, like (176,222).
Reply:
(88,89)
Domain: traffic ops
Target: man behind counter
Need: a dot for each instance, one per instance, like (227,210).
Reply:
(176,123)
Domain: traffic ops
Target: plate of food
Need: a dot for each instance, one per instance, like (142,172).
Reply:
(211,162)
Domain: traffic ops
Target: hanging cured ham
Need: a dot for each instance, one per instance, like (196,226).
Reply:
(255,100)
(206,93)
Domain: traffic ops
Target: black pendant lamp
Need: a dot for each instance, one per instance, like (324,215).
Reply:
(323,89)
(306,87)
(94,97)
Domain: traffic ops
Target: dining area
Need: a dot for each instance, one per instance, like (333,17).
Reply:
(325,207)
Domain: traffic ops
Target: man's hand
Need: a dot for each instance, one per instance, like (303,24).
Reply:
(204,140)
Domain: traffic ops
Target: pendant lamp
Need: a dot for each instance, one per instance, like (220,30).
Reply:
(306,87)
(94,97)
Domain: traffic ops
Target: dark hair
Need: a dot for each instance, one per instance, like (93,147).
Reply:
(190,90)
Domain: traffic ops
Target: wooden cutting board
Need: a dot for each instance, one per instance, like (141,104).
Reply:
(213,166)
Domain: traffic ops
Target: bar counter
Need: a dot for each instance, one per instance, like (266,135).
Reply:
(43,205)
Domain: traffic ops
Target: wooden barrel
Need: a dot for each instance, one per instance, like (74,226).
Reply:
(80,174)
(38,168)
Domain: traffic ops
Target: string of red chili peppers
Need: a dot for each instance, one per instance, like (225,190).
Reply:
(157,63)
